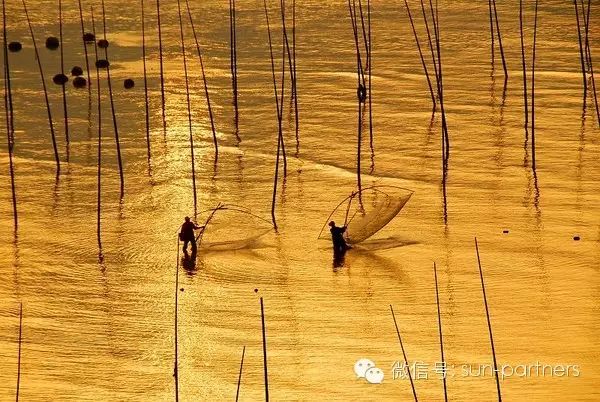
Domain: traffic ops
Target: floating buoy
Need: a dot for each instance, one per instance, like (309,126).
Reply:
(79,82)
(181,289)
(102,63)
(505,231)
(361,92)
(255,290)
(89,37)
(52,43)
(76,71)
(15,46)
(576,238)
(128,83)
(60,79)
(102,43)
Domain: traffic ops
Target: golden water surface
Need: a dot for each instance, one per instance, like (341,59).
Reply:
(103,329)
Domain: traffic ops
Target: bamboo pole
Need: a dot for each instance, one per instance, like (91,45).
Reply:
(370,66)
(279,118)
(533,164)
(412,24)
(430,42)
(161,66)
(19,355)
(45,90)
(189,107)
(440,82)
(146,97)
(439,316)
(587,24)
(487,314)
(62,71)
(10,131)
(239,382)
(500,41)
(233,59)
(210,113)
(524,64)
(281,98)
(360,89)
(295,80)
(99,173)
(589,61)
(85,51)
(493,49)
(112,107)
(176,329)
(581,51)
(412,384)
(264,344)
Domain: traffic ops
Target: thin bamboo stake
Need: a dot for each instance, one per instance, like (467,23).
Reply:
(430,42)
(370,66)
(284,48)
(162,70)
(500,41)
(279,114)
(146,98)
(19,356)
(41,71)
(176,329)
(587,24)
(210,113)
(445,137)
(487,314)
(62,70)
(360,89)
(189,107)
(412,384)
(412,24)
(589,61)
(492,33)
(239,383)
(581,51)
(439,315)
(294,80)
(85,51)
(533,164)
(524,64)
(112,107)
(10,131)
(99,173)
(287,47)
(264,344)
(233,59)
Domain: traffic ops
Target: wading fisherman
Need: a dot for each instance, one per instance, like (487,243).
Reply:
(187,235)
(337,237)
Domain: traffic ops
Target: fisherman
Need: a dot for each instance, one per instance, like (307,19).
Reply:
(187,235)
(337,237)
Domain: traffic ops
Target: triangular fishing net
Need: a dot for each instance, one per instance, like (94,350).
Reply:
(366,212)
(230,227)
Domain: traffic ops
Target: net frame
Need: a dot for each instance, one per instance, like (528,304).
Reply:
(377,190)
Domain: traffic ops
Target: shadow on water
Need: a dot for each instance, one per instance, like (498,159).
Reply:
(339,259)
(190,266)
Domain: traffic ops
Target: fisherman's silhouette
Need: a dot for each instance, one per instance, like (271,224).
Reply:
(187,235)
(337,237)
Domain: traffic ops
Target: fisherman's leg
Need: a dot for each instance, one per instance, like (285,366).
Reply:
(185,244)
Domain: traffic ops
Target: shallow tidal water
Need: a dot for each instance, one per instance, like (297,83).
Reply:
(104,329)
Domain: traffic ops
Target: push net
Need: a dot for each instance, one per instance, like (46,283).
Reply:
(366,212)
(230,227)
